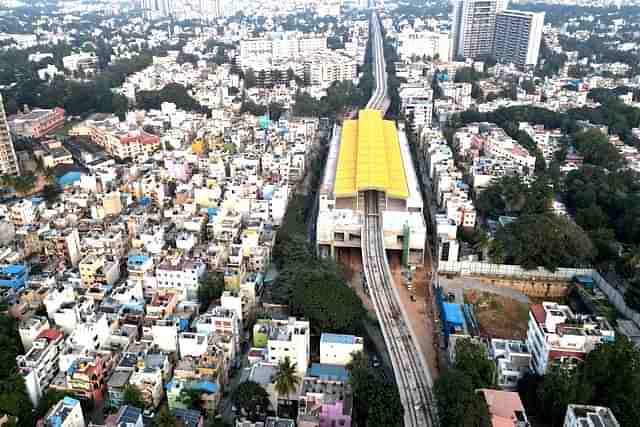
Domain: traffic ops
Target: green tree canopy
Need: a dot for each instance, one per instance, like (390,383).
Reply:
(286,378)
(166,419)
(562,386)
(133,397)
(377,402)
(472,360)
(545,240)
(613,370)
(210,289)
(251,399)
(458,403)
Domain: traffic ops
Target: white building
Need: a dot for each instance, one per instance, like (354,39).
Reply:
(30,328)
(557,335)
(66,413)
(279,46)
(424,43)
(85,61)
(23,212)
(290,338)
(40,364)
(181,273)
(327,66)
(512,359)
(417,106)
(165,334)
(193,344)
(518,36)
(589,416)
(149,383)
(336,349)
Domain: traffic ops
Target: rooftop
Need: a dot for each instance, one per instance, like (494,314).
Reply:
(370,157)
(340,339)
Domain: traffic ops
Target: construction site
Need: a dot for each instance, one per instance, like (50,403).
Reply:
(370,154)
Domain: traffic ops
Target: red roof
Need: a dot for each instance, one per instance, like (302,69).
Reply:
(538,312)
(51,334)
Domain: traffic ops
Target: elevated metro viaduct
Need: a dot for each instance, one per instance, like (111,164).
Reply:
(370,154)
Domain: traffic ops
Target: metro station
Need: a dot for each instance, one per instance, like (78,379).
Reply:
(370,154)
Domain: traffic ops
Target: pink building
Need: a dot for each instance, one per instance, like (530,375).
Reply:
(325,402)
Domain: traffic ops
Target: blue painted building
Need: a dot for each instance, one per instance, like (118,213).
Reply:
(14,275)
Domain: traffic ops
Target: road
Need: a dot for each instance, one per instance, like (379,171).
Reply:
(409,364)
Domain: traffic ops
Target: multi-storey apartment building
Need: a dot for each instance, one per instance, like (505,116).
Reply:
(8,158)
(66,413)
(36,123)
(473,27)
(557,335)
(40,364)
(289,338)
(518,36)
(30,329)
(424,43)
(180,273)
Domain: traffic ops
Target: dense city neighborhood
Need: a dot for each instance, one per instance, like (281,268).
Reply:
(319,213)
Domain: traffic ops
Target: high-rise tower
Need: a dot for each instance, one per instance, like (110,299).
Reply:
(473,27)
(8,158)
(518,36)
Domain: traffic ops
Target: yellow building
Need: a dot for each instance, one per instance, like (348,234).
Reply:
(369,159)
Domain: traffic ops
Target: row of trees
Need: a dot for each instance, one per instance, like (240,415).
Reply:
(313,288)
(340,97)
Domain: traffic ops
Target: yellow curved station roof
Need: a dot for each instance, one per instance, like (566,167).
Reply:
(370,158)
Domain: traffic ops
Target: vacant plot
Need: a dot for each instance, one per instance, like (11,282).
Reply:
(499,316)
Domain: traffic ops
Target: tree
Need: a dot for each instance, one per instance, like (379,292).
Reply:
(210,289)
(25,184)
(251,399)
(50,175)
(133,397)
(467,75)
(613,370)
(14,398)
(560,387)
(285,379)
(377,403)
(250,79)
(50,193)
(592,217)
(472,360)
(545,240)
(166,418)
(359,361)
(192,398)
(458,404)
(596,149)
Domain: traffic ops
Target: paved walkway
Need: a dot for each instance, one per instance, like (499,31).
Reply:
(461,283)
